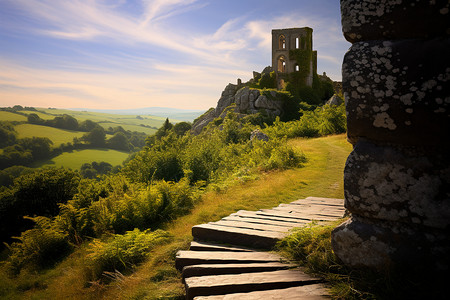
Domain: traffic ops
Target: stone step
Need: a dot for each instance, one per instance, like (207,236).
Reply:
(312,212)
(204,246)
(254,214)
(247,282)
(187,258)
(221,269)
(327,201)
(299,216)
(317,207)
(240,224)
(261,221)
(308,292)
(237,236)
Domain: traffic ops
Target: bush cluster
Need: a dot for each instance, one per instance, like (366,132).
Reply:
(219,151)
(324,120)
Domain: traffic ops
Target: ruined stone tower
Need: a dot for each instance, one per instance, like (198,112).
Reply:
(292,55)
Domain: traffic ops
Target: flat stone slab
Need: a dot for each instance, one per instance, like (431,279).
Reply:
(248,282)
(204,246)
(312,206)
(308,292)
(312,212)
(237,236)
(188,258)
(221,269)
(288,225)
(328,201)
(240,224)
(294,215)
(254,214)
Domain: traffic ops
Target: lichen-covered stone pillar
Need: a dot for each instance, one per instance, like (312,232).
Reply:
(396,79)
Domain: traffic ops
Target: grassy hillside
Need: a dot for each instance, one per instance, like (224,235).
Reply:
(143,125)
(75,159)
(56,135)
(9,116)
(156,278)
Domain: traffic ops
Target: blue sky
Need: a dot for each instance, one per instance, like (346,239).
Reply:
(128,54)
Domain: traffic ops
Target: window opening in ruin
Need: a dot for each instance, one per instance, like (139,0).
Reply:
(282,44)
(297,68)
(297,43)
(281,64)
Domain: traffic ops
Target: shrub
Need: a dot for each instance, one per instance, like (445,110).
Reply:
(37,193)
(122,252)
(39,247)
(329,119)
(274,154)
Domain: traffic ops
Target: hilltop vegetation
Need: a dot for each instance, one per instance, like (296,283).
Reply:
(163,181)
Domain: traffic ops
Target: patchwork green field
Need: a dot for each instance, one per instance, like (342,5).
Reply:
(57,136)
(144,124)
(75,159)
(133,122)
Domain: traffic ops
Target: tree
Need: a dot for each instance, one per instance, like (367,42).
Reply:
(118,141)
(7,134)
(87,125)
(40,147)
(35,119)
(65,122)
(96,137)
(181,128)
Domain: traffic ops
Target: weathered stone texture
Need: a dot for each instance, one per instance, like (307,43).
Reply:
(394,19)
(398,184)
(393,86)
(362,242)
(397,178)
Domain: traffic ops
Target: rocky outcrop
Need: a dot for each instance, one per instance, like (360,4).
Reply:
(246,101)
(335,100)
(259,135)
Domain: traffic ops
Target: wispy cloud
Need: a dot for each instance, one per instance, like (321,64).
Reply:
(142,53)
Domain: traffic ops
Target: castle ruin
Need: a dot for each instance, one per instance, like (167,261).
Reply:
(292,55)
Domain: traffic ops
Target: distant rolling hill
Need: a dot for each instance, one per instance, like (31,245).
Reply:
(165,112)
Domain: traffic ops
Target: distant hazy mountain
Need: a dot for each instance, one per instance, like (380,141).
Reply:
(165,112)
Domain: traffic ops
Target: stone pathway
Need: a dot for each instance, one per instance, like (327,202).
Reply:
(223,262)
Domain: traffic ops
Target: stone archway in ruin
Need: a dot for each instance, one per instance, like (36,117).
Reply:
(282,42)
(281,64)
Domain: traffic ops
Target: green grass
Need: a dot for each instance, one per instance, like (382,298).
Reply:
(156,278)
(57,136)
(148,131)
(74,160)
(9,116)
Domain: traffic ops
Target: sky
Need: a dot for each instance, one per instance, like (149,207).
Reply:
(120,54)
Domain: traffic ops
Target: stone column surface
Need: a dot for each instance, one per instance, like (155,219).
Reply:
(396,82)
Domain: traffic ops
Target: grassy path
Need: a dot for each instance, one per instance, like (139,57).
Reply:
(321,176)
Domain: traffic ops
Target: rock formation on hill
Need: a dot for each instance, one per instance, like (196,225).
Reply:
(242,100)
